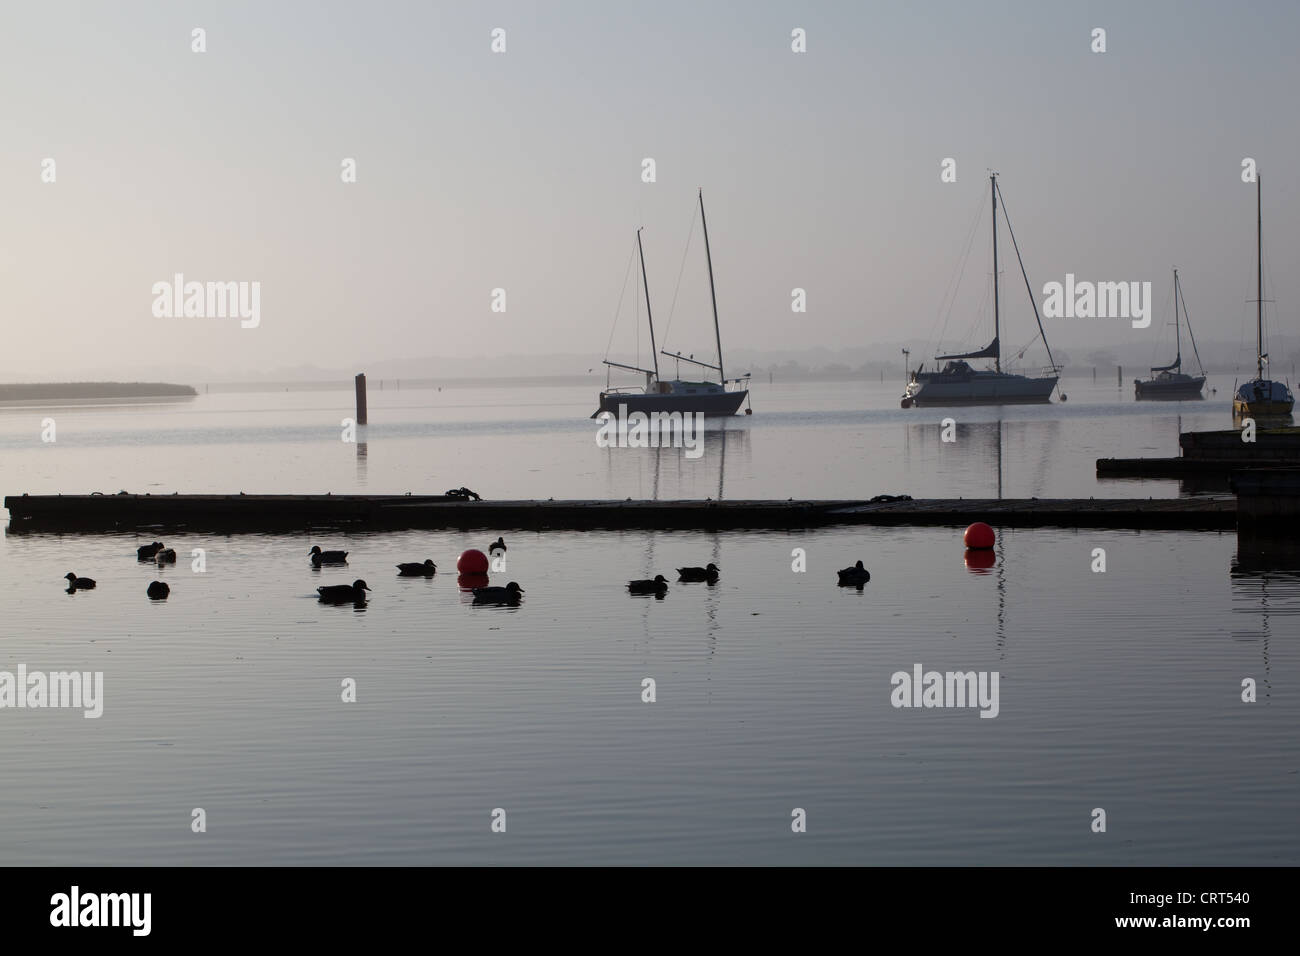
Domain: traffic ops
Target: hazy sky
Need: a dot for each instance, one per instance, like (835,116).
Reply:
(522,170)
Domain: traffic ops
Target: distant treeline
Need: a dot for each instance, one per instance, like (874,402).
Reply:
(59,391)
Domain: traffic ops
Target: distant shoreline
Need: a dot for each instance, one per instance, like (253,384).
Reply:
(82,391)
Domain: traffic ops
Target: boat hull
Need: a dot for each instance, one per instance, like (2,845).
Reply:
(1155,390)
(981,389)
(1263,398)
(713,405)
(1261,409)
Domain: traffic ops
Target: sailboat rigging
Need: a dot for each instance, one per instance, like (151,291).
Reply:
(958,383)
(1170,381)
(676,395)
(1261,397)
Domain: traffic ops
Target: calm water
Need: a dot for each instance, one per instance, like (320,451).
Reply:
(1118,690)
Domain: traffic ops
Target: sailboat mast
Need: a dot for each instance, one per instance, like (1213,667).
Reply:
(717,335)
(1178,342)
(1259,279)
(654,350)
(997,344)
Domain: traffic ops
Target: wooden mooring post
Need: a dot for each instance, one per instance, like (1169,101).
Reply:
(361,398)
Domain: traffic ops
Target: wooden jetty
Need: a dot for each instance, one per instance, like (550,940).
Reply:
(1181,467)
(220,513)
(1267,496)
(1212,453)
(1271,444)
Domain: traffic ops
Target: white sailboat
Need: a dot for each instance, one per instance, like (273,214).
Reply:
(676,395)
(959,383)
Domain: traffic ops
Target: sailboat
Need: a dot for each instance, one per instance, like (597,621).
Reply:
(676,395)
(1170,381)
(957,383)
(1261,397)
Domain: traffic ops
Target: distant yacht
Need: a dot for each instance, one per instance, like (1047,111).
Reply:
(676,395)
(960,384)
(1261,397)
(1170,381)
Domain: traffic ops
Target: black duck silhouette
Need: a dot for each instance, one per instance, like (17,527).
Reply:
(709,574)
(510,594)
(854,577)
(354,593)
(658,585)
(319,557)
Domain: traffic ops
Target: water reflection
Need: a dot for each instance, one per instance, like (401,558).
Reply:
(665,474)
(1203,485)
(671,475)
(102,405)
(1265,578)
(983,446)
(363,454)
(1264,554)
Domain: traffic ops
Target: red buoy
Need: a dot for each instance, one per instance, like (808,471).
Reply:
(979,536)
(475,561)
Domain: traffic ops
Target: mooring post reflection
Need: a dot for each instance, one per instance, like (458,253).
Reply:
(1263,595)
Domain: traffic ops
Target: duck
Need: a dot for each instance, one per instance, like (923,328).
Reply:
(319,557)
(79,584)
(855,576)
(147,552)
(709,574)
(509,594)
(158,591)
(354,593)
(167,556)
(498,545)
(425,569)
(657,586)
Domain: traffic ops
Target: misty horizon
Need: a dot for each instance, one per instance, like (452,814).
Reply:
(1220,358)
(821,171)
